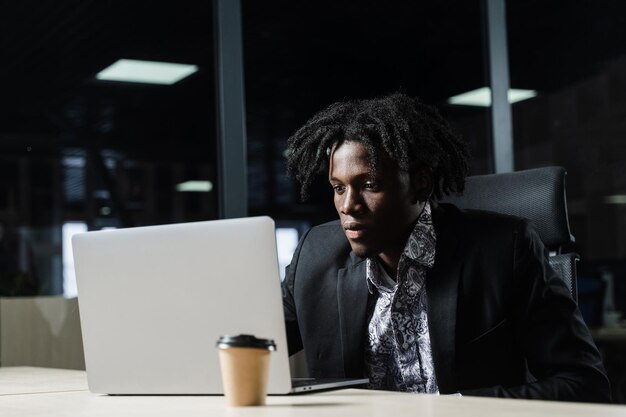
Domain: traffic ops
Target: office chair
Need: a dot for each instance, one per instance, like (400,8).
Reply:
(536,194)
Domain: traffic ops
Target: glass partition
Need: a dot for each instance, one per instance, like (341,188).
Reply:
(106,120)
(574,56)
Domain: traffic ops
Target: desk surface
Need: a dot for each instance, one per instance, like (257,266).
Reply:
(51,393)
(28,380)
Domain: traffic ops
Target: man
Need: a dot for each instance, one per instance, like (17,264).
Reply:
(418,296)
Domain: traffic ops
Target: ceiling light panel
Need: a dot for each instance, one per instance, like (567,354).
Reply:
(481,97)
(195,186)
(146,72)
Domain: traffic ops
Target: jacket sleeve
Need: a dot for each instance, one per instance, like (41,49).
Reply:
(561,356)
(294,340)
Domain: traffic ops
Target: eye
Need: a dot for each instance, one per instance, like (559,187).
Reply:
(338,188)
(370,185)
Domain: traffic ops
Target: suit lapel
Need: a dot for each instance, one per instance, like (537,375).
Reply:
(442,285)
(352,297)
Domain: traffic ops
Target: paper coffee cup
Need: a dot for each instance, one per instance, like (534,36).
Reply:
(244,361)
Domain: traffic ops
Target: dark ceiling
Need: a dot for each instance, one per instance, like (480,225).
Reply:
(52,50)
(299,56)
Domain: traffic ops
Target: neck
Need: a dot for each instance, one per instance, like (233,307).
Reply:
(390,261)
(391,257)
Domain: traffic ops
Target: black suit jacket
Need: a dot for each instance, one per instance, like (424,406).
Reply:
(501,322)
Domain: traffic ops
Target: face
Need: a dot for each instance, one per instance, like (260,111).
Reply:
(377,212)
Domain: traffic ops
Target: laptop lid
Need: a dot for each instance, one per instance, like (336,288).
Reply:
(154,300)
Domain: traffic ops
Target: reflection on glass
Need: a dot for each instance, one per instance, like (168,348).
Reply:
(69,275)
(286,241)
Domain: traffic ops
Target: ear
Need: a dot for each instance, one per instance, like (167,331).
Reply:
(422,184)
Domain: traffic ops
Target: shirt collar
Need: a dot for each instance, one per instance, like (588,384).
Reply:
(420,248)
(421,244)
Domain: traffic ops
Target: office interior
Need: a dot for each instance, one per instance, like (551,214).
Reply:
(80,150)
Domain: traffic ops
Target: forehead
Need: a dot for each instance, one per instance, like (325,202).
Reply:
(353,157)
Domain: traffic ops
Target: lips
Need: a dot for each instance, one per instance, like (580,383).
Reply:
(354,230)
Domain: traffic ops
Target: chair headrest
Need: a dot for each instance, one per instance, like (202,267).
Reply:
(536,194)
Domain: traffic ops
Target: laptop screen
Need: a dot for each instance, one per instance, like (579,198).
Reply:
(154,300)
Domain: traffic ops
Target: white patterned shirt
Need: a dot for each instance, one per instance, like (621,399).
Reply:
(398,354)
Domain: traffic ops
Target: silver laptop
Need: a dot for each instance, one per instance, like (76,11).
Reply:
(154,300)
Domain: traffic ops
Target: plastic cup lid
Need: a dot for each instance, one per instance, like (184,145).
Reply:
(245,340)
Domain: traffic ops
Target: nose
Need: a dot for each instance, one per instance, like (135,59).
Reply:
(351,203)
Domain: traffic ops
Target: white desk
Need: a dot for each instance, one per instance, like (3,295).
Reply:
(63,393)
(28,380)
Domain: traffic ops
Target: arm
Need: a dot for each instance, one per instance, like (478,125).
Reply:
(294,340)
(558,347)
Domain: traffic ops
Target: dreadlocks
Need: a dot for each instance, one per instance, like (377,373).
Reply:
(412,134)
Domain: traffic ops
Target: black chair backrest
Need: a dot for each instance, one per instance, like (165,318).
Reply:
(536,194)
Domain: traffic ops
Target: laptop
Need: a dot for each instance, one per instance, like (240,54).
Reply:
(154,300)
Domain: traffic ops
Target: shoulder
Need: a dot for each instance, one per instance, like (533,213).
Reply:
(479,223)
(325,241)
(329,230)
(321,252)
(484,232)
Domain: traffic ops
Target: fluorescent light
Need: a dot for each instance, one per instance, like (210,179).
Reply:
(148,72)
(516,95)
(482,97)
(615,199)
(195,186)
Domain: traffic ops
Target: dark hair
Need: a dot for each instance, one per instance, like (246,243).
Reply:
(411,133)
